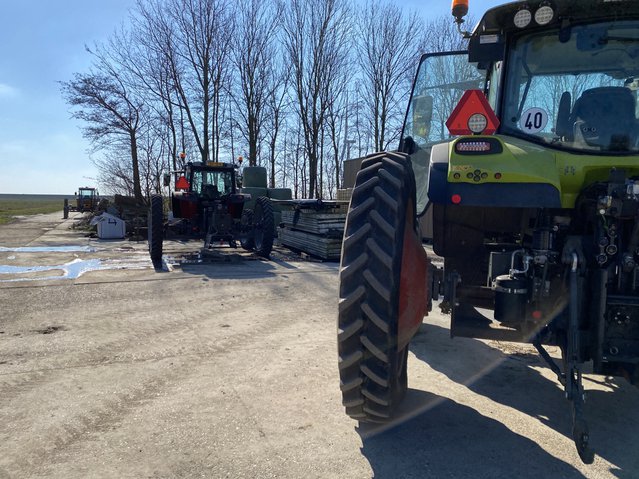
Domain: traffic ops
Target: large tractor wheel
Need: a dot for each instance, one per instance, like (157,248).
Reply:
(383,288)
(155,229)
(246,235)
(263,227)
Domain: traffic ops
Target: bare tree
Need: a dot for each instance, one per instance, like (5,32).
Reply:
(337,130)
(111,110)
(193,37)
(273,79)
(388,50)
(142,52)
(153,157)
(441,35)
(114,172)
(276,109)
(360,127)
(316,39)
(254,55)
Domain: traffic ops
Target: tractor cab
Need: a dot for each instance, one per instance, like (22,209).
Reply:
(562,79)
(211,181)
(87,199)
(206,186)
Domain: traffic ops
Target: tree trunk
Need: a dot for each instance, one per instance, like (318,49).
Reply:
(137,190)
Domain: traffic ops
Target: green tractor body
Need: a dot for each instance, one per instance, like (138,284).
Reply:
(525,150)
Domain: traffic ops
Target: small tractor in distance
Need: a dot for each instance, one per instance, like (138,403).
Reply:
(86,199)
(209,207)
(525,149)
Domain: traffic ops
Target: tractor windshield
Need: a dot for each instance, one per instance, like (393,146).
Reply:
(213,182)
(575,89)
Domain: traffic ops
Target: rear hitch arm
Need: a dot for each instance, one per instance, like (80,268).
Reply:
(573,377)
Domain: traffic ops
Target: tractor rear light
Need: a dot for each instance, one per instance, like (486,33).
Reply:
(472,146)
(522,18)
(481,146)
(477,123)
(498,176)
(456,199)
(457,176)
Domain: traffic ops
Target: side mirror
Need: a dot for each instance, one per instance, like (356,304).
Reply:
(422,107)
(166,180)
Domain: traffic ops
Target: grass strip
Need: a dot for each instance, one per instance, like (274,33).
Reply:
(11,208)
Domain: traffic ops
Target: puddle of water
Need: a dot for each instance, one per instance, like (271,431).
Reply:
(48,249)
(71,270)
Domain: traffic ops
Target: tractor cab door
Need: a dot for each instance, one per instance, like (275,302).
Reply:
(441,80)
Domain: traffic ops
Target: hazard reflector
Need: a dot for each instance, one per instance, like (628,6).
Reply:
(182,184)
(472,102)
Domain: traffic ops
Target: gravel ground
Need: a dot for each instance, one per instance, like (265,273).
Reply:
(222,370)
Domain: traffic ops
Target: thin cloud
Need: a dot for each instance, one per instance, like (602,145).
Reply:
(7,91)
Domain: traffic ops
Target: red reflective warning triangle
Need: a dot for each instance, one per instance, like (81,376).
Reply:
(471,102)
(181,184)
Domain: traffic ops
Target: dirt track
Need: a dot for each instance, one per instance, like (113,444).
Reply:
(230,370)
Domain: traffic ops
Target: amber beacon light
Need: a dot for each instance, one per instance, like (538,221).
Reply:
(459,9)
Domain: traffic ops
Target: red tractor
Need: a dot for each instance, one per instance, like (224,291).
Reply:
(207,205)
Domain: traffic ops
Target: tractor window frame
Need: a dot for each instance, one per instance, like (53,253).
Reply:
(441,105)
(407,137)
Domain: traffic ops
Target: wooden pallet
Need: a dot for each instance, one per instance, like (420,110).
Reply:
(324,247)
(319,223)
(345,194)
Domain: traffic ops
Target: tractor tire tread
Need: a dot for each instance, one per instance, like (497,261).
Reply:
(372,370)
(264,212)
(156,229)
(246,237)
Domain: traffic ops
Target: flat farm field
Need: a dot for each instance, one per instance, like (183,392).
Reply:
(26,205)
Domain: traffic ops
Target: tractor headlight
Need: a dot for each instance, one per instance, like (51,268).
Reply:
(544,15)
(522,18)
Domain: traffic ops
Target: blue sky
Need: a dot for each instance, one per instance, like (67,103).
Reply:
(42,43)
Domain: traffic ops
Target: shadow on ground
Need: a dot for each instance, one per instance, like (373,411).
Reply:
(452,440)
(229,263)
(446,439)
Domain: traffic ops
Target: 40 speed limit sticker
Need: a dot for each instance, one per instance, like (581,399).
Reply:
(533,120)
